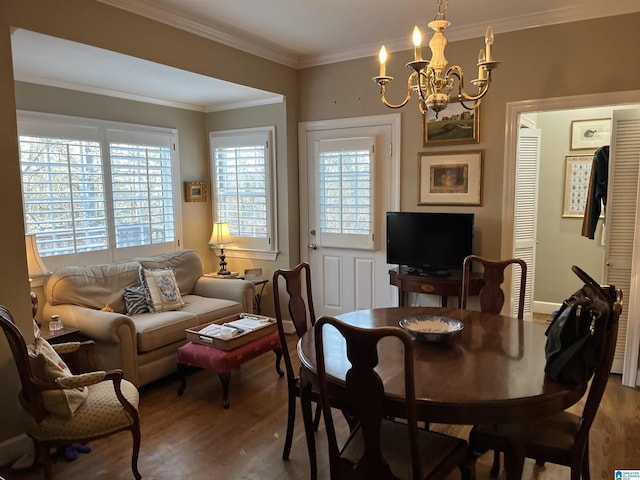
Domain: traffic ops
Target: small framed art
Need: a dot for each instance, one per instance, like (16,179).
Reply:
(195,191)
(455,125)
(450,178)
(577,174)
(590,134)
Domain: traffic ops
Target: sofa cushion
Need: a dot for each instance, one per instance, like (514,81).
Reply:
(92,286)
(210,309)
(161,289)
(155,330)
(135,300)
(186,264)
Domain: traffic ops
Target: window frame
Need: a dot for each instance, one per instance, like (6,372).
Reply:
(40,124)
(268,249)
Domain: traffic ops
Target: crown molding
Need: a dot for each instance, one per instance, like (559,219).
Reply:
(248,43)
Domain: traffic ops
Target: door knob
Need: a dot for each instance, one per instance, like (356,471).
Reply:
(313,246)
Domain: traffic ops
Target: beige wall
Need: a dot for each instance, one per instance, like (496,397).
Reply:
(573,59)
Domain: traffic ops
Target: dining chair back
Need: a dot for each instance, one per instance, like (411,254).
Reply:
(110,406)
(562,438)
(378,448)
(491,294)
(297,283)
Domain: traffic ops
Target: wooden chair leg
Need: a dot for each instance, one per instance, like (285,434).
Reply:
(291,418)
(135,433)
(584,470)
(495,466)
(278,352)
(305,405)
(316,417)
(43,453)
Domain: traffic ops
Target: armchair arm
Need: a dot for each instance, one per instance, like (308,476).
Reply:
(79,351)
(114,334)
(237,290)
(66,348)
(82,380)
(92,378)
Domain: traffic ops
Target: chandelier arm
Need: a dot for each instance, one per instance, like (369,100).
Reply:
(456,71)
(407,98)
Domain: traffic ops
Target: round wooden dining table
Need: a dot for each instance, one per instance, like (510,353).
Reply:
(491,372)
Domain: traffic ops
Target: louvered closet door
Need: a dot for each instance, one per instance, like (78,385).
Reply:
(526,213)
(621,220)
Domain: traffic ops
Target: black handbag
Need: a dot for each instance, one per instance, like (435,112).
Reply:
(577,334)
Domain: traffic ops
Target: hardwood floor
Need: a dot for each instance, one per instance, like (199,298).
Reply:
(193,437)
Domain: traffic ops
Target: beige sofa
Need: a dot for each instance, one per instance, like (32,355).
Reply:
(143,345)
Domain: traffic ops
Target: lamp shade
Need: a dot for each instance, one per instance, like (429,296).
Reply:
(220,234)
(35,265)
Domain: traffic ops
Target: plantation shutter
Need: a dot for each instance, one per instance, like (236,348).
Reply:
(526,200)
(621,220)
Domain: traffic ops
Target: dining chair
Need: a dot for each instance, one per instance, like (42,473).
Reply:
(297,282)
(491,295)
(562,438)
(379,448)
(53,410)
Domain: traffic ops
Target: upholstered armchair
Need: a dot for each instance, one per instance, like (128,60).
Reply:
(58,407)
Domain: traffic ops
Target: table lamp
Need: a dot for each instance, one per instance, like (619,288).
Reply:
(35,267)
(219,236)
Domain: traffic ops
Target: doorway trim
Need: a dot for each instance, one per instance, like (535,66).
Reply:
(513,111)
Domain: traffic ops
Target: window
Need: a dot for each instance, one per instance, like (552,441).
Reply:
(93,188)
(242,166)
(345,192)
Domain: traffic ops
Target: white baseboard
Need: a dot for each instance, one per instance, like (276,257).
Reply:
(546,307)
(15,448)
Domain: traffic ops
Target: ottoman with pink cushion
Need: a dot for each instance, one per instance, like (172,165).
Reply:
(222,362)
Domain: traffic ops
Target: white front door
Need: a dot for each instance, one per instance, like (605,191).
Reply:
(351,180)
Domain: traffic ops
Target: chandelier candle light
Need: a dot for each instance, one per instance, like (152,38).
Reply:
(219,236)
(433,80)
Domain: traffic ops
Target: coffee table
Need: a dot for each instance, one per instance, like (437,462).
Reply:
(223,361)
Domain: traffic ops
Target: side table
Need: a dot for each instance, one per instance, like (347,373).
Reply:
(445,287)
(257,301)
(65,334)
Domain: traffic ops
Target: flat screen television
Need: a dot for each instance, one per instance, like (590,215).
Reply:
(429,243)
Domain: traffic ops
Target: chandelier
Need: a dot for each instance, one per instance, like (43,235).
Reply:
(434,80)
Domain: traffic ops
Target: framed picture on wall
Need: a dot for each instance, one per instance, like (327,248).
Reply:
(455,125)
(590,134)
(195,192)
(450,178)
(577,173)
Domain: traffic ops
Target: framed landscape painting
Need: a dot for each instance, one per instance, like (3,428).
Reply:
(455,125)
(450,178)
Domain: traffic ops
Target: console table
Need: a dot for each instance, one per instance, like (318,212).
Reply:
(445,286)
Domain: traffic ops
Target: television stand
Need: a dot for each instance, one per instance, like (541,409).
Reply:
(443,285)
(431,273)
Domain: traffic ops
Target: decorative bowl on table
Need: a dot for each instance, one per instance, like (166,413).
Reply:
(432,328)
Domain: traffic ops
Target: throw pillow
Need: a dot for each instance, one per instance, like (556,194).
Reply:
(135,300)
(48,366)
(162,289)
